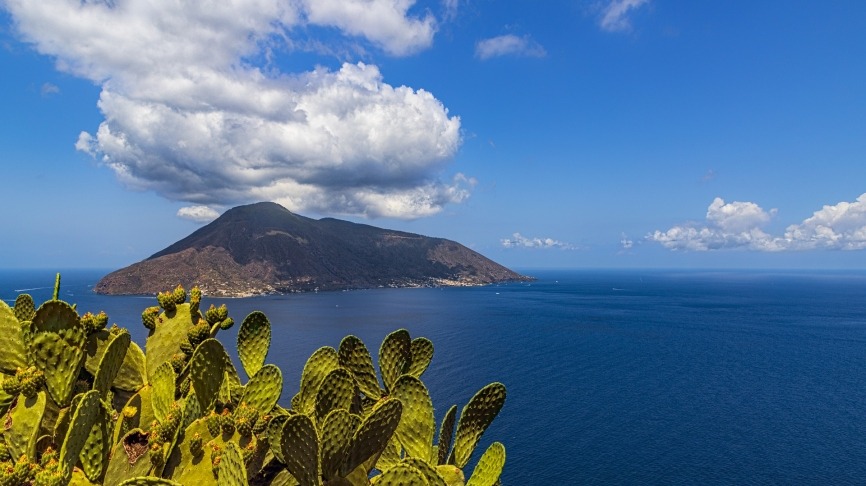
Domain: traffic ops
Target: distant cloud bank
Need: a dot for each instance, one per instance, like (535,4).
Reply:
(508,45)
(738,225)
(199,214)
(519,241)
(196,110)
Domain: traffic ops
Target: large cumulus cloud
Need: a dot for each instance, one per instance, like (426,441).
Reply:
(190,114)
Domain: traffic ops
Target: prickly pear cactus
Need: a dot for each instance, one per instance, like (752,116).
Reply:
(84,405)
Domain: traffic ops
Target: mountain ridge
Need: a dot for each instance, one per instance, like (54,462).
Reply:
(263,248)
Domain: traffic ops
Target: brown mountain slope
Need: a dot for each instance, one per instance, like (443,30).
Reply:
(265,248)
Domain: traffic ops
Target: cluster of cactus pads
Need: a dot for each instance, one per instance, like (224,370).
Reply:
(84,404)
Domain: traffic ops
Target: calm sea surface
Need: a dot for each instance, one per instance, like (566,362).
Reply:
(623,377)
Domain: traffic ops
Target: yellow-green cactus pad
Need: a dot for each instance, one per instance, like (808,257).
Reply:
(129,458)
(452,474)
(395,356)
(337,431)
(446,434)
(55,316)
(474,420)
(164,341)
(422,354)
(433,478)
(355,357)
(60,355)
(13,354)
(132,374)
(207,367)
(162,384)
(94,453)
(401,475)
(26,418)
(111,362)
(264,388)
(87,413)
(322,362)
(232,471)
(300,447)
(417,424)
(373,434)
(24,308)
(489,467)
(336,391)
(254,340)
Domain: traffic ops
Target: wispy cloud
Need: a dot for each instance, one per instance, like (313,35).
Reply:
(738,225)
(508,45)
(199,214)
(626,243)
(191,115)
(615,16)
(519,241)
(49,89)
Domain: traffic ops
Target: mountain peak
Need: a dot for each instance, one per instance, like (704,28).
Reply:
(265,248)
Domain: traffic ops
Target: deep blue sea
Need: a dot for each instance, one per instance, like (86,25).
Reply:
(613,377)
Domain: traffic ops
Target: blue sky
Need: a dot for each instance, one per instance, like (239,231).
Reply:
(615,133)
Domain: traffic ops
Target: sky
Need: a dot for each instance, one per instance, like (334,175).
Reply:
(562,133)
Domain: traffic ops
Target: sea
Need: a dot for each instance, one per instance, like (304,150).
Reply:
(614,377)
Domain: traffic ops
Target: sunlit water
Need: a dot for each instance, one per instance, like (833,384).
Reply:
(627,377)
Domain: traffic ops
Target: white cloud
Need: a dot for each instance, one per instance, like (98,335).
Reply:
(838,227)
(626,243)
(508,45)
(519,241)
(615,15)
(450,8)
(49,89)
(199,214)
(189,116)
(737,225)
(384,22)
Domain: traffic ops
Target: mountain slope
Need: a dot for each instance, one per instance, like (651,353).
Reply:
(265,248)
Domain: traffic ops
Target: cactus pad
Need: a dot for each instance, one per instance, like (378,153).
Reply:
(422,354)
(162,385)
(429,472)
(87,413)
(111,362)
(337,431)
(322,362)
(373,434)
(13,354)
(264,388)
(474,419)
(231,468)
(300,448)
(148,481)
(23,431)
(395,356)
(24,308)
(446,434)
(254,340)
(207,368)
(55,316)
(61,355)
(489,467)
(355,357)
(337,391)
(417,424)
(402,475)
(165,340)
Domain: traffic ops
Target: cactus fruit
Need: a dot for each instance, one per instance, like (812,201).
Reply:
(179,295)
(166,301)
(93,323)
(149,316)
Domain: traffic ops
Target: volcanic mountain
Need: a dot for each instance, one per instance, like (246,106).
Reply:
(264,248)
